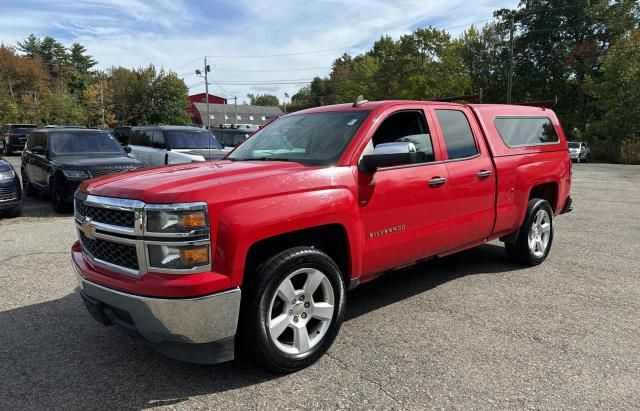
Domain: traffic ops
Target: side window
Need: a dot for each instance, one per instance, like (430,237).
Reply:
(458,137)
(526,131)
(37,140)
(406,126)
(157,139)
(30,139)
(140,138)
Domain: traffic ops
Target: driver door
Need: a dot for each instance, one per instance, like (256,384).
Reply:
(405,208)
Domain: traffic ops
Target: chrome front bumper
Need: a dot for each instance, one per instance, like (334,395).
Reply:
(198,329)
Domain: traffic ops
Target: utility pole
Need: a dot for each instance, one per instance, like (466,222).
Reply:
(235,109)
(102,102)
(510,74)
(206,90)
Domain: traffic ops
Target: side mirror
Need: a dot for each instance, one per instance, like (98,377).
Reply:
(39,150)
(127,149)
(387,155)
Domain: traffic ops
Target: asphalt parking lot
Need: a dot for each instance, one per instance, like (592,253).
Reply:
(468,331)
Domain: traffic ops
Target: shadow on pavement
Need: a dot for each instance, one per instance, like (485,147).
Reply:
(54,355)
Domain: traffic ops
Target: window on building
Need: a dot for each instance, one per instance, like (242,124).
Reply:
(263,118)
(458,137)
(238,118)
(250,118)
(226,117)
(212,117)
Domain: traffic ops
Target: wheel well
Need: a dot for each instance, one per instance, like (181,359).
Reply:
(547,191)
(330,239)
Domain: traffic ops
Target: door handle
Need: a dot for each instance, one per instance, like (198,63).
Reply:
(484,173)
(437,181)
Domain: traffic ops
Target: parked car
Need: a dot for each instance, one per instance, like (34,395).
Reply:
(14,136)
(256,251)
(10,192)
(57,160)
(160,145)
(231,136)
(579,151)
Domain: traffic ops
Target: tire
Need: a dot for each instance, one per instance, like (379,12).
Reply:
(7,150)
(27,188)
(58,197)
(280,307)
(535,236)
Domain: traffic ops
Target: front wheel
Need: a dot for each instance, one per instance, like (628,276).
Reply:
(59,198)
(535,236)
(292,309)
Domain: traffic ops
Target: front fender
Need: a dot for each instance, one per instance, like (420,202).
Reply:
(243,224)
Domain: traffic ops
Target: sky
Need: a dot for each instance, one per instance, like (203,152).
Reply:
(252,46)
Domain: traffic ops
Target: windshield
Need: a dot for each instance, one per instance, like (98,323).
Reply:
(191,139)
(70,143)
(574,145)
(314,139)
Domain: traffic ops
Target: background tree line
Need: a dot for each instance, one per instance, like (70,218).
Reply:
(44,82)
(585,52)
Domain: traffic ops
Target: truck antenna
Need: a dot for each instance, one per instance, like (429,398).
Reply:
(359,101)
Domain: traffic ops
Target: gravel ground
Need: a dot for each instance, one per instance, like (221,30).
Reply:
(468,331)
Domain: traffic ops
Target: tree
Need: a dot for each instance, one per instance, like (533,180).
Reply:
(263,100)
(618,92)
(79,63)
(8,109)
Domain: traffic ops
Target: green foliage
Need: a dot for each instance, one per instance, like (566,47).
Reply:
(263,100)
(617,92)
(50,84)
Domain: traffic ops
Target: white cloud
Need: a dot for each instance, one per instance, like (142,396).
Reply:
(177,34)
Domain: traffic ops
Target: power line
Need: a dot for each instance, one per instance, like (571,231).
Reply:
(292,54)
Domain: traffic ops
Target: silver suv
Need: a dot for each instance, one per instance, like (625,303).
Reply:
(579,151)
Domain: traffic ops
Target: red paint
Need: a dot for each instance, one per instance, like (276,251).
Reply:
(252,201)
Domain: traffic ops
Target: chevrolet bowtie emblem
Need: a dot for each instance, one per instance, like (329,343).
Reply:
(87,228)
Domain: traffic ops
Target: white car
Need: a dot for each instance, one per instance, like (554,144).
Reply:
(579,151)
(160,145)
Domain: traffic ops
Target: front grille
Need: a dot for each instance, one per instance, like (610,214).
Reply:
(103,171)
(8,193)
(123,255)
(106,215)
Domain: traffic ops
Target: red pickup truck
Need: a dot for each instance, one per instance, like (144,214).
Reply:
(256,251)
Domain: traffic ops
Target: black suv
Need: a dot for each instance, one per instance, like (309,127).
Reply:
(13,136)
(10,192)
(57,160)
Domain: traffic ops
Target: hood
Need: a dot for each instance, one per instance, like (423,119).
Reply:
(207,153)
(83,162)
(165,184)
(5,165)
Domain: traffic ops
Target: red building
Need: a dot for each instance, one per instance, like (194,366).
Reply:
(201,98)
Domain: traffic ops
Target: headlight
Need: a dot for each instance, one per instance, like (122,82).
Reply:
(178,257)
(75,173)
(7,175)
(192,217)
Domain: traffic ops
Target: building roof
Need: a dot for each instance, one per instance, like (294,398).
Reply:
(244,111)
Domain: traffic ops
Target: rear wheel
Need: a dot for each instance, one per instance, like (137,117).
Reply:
(534,239)
(292,310)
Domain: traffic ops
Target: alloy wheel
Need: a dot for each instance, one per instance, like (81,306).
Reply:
(301,311)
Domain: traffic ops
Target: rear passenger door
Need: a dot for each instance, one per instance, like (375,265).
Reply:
(472,177)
